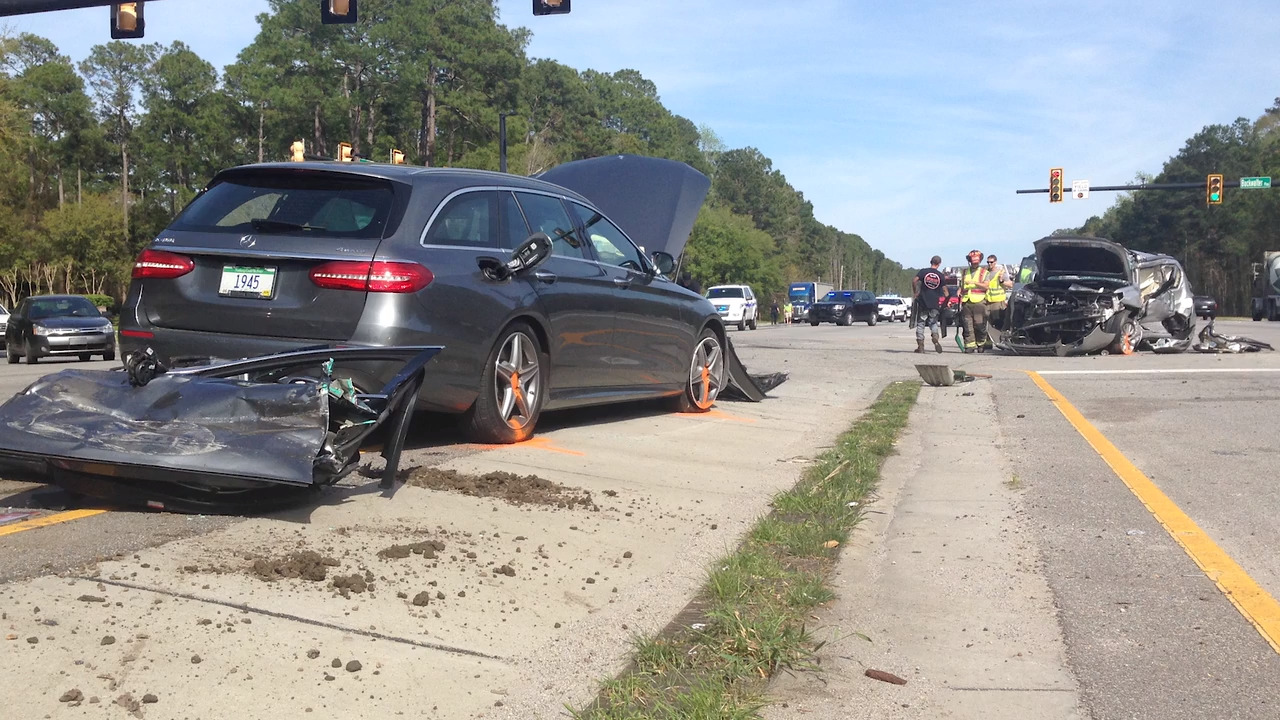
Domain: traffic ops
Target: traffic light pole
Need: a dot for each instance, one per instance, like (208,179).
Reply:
(1143,186)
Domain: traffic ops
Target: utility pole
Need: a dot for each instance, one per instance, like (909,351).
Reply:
(502,141)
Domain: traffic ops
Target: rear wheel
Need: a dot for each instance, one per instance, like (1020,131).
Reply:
(511,389)
(706,375)
(872,318)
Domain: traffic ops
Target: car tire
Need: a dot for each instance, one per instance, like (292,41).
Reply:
(10,355)
(742,324)
(754,322)
(814,323)
(707,375)
(1130,337)
(512,389)
(109,356)
(85,357)
(845,319)
(30,355)
(871,320)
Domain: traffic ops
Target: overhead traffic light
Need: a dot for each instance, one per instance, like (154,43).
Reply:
(1213,190)
(344,152)
(550,7)
(337,12)
(397,157)
(298,151)
(126,21)
(1055,185)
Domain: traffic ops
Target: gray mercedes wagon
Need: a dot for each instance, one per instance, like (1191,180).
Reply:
(278,256)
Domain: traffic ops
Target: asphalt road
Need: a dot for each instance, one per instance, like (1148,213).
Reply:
(1147,633)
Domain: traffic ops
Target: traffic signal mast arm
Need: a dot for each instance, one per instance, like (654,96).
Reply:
(1201,185)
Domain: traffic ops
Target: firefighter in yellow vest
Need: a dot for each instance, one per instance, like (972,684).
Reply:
(974,283)
(997,297)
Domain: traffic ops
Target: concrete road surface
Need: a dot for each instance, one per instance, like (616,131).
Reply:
(1006,561)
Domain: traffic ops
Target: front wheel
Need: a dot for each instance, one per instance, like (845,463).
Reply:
(10,355)
(706,375)
(109,356)
(511,389)
(30,355)
(814,323)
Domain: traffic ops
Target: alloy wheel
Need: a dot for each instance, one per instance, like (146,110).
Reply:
(517,380)
(706,373)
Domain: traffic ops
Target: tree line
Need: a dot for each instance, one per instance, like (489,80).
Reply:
(96,157)
(1216,244)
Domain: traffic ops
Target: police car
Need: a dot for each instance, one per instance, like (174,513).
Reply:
(736,304)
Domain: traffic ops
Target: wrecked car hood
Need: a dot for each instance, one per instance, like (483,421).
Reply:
(1076,258)
(654,200)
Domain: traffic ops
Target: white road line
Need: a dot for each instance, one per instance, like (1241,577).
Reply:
(1157,371)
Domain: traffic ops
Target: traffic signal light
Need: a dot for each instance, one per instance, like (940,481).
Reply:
(397,157)
(550,7)
(337,12)
(1055,185)
(1213,190)
(126,21)
(344,152)
(298,151)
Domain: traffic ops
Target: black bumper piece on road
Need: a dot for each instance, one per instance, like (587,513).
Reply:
(250,434)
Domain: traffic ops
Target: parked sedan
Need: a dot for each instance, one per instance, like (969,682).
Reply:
(47,325)
(844,307)
(278,256)
(1206,307)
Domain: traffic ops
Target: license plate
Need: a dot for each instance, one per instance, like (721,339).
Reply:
(248,282)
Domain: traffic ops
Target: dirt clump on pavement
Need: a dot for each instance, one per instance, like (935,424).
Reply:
(515,489)
(354,583)
(427,549)
(306,565)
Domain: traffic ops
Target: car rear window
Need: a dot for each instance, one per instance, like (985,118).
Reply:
(312,204)
(724,293)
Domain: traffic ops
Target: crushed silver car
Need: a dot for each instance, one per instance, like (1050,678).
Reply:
(1091,295)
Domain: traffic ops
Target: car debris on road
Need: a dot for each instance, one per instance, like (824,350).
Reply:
(1213,342)
(245,435)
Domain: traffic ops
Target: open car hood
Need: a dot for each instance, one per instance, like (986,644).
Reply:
(654,200)
(1076,257)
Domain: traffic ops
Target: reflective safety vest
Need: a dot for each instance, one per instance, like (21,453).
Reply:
(995,292)
(973,285)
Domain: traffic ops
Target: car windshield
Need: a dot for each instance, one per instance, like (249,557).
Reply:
(63,307)
(724,292)
(318,205)
(839,295)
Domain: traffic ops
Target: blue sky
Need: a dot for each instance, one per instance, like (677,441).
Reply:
(910,124)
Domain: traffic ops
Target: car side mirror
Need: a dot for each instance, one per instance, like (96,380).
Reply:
(531,253)
(664,262)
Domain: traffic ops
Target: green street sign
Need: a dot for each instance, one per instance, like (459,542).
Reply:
(1255,183)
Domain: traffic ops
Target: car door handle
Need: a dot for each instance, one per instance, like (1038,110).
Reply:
(623,283)
(546,277)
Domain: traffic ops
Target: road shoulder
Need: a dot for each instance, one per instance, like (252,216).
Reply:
(944,581)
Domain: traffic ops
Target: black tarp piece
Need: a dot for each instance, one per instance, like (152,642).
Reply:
(654,200)
(743,385)
(242,433)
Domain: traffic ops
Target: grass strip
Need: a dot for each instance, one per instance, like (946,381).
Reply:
(749,621)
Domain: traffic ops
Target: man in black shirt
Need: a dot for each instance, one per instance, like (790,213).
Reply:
(927,287)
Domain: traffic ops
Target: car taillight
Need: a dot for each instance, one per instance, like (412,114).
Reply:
(378,276)
(161,264)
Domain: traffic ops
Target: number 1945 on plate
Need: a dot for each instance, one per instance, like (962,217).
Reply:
(248,282)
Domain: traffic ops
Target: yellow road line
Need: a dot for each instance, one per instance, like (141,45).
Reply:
(1255,603)
(47,520)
